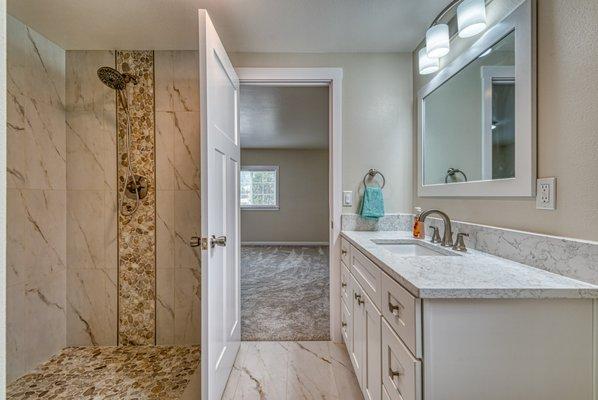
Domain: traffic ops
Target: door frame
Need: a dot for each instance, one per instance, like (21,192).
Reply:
(331,78)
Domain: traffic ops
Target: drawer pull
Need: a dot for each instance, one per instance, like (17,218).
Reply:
(358,298)
(395,310)
(393,374)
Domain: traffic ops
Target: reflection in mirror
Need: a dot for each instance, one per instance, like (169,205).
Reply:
(469,121)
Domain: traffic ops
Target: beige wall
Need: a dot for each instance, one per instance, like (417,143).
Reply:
(377,124)
(567,121)
(303,213)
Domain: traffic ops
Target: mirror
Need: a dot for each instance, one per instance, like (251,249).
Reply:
(470,120)
(477,116)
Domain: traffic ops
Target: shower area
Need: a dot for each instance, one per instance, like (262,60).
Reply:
(103,288)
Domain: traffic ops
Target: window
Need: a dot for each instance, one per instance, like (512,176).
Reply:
(259,187)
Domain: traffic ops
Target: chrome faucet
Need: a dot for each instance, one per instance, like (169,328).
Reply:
(447,239)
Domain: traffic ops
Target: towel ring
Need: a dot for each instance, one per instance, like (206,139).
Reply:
(452,171)
(372,173)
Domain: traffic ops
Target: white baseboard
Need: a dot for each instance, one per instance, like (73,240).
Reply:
(284,243)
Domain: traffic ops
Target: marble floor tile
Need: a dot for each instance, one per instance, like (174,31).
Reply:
(292,370)
(284,293)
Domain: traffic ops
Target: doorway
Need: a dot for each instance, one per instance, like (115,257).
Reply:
(331,80)
(284,213)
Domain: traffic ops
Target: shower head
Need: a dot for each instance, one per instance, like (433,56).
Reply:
(112,78)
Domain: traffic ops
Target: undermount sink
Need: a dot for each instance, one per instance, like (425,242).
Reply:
(413,248)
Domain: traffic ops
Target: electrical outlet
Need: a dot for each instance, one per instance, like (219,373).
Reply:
(347,198)
(546,194)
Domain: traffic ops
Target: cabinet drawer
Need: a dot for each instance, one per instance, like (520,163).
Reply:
(396,359)
(345,284)
(403,313)
(367,274)
(345,251)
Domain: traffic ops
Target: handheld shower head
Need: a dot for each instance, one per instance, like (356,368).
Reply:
(112,78)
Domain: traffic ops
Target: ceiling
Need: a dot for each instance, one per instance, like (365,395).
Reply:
(291,117)
(244,26)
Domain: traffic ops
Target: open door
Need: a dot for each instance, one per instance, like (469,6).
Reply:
(220,165)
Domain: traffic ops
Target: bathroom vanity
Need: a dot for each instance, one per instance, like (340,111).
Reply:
(421,321)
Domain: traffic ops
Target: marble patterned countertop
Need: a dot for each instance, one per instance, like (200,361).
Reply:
(468,275)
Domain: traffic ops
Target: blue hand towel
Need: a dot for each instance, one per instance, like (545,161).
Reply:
(372,203)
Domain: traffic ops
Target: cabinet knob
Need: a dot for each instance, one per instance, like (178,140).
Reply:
(393,374)
(343,324)
(343,284)
(395,310)
(343,252)
(358,298)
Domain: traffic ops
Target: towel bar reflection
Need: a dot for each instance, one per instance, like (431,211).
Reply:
(372,173)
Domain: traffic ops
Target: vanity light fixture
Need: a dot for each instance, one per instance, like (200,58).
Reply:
(471,20)
(471,17)
(438,41)
(427,65)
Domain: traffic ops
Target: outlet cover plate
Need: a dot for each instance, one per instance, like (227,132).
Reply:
(546,194)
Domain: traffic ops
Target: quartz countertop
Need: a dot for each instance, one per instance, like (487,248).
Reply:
(466,275)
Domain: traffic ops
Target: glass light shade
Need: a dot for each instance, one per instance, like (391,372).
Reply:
(471,17)
(427,65)
(437,41)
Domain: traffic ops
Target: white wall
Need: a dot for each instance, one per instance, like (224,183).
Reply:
(303,213)
(377,124)
(567,126)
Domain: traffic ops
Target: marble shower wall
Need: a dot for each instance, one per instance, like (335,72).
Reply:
(36,199)
(178,197)
(92,257)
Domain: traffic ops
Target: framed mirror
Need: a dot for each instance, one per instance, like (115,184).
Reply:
(477,116)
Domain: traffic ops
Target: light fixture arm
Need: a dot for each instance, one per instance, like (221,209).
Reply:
(448,8)
(445,10)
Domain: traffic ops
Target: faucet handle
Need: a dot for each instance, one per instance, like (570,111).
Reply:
(435,235)
(460,243)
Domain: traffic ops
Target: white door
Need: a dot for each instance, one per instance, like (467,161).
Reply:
(220,157)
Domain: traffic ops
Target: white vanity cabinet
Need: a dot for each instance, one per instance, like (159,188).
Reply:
(403,347)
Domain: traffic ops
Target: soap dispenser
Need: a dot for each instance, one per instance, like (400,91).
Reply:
(418,227)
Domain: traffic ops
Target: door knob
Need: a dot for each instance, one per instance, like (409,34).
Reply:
(218,241)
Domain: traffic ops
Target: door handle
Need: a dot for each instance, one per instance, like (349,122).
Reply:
(195,241)
(218,241)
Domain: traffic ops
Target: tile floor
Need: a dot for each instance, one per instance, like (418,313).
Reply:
(123,373)
(285,293)
(292,370)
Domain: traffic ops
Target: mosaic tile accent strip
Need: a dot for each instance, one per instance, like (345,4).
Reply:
(137,233)
(124,373)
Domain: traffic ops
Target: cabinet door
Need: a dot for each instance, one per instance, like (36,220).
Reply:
(372,374)
(357,352)
(347,324)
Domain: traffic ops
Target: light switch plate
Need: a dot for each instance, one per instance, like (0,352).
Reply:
(546,194)
(347,198)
